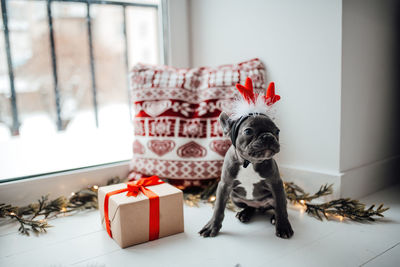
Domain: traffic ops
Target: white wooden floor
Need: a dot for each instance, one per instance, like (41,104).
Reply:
(80,241)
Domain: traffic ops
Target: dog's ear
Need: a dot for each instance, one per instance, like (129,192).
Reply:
(226,123)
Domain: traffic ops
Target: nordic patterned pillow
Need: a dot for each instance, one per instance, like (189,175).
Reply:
(177,135)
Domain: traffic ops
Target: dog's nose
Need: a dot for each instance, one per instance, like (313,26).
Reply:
(265,136)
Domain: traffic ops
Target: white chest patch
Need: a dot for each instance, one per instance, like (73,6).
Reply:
(247,178)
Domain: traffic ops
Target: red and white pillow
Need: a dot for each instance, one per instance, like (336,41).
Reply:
(176,129)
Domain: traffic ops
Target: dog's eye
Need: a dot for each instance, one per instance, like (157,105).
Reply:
(277,132)
(248,131)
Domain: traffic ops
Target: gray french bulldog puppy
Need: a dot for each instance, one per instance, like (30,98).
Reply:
(250,176)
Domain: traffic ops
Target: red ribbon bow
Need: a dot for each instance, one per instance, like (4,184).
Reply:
(133,189)
(140,186)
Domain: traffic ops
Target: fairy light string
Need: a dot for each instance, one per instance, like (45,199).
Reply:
(34,217)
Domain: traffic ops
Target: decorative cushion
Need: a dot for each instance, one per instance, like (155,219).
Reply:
(177,134)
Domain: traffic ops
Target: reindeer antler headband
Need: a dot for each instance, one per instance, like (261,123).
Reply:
(251,104)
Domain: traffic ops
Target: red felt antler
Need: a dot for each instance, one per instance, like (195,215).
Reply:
(270,96)
(247,90)
(248,93)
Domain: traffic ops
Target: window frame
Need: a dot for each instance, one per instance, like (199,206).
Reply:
(24,189)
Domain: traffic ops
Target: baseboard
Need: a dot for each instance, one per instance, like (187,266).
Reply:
(311,180)
(23,192)
(354,183)
(369,178)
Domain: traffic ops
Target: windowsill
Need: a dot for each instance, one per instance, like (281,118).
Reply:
(31,157)
(80,240)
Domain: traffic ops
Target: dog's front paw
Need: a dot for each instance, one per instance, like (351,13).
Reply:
(211,229)
(283,229)
(245,214)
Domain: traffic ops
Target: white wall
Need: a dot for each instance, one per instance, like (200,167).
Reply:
(179,38)
(370,99)
(300,44)
(334,66)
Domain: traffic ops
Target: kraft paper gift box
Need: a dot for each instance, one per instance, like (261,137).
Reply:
(156,211)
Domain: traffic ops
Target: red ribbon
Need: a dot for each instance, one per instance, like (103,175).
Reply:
(133,189)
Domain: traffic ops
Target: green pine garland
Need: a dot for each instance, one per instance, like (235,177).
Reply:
(34,217)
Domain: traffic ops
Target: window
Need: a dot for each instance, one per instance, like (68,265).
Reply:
(64,98)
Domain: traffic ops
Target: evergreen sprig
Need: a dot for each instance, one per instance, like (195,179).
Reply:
(346,208)
(338,208)
(34,217)
(26,225)
(296,194)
